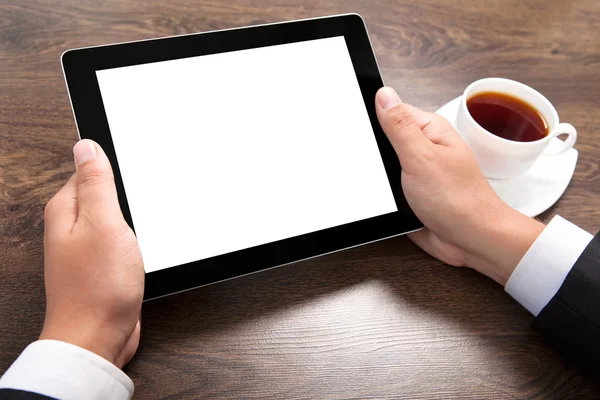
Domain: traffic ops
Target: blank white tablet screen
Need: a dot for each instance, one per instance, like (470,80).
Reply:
(224,152)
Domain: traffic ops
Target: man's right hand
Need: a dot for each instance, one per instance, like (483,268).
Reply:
(93,269)
(466,223)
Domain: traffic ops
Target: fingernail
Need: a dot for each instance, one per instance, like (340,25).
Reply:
(83,151)
(388,98)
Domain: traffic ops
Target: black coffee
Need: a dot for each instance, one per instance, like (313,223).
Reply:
(507,116)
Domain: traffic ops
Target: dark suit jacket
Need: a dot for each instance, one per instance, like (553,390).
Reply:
(570,321)
(10,394)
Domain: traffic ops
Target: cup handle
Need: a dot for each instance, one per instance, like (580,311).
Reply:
(562,129)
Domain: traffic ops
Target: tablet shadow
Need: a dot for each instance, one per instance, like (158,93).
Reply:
(396,264)
(455,306)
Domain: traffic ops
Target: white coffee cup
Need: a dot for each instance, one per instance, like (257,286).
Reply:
(501,158)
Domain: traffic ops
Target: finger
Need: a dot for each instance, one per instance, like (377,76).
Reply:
(397,122)
(61,210)
(131,346)
(96,191)
(421,117)
(421,238)
(435,127)
(431,244)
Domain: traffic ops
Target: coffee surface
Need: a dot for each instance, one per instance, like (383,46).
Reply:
(507,116)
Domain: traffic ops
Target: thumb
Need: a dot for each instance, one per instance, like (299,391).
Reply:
(96,191)
(397,122)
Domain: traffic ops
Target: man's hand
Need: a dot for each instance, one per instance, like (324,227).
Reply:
(93,267)
(467,224)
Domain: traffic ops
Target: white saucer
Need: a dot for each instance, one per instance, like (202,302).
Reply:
(539,188)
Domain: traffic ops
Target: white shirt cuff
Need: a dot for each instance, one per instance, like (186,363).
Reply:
(65,371)
(543,269)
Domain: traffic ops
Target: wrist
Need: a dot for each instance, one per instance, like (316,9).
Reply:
(93,339)
(499,241)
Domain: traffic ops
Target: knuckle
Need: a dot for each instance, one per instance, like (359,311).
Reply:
(97,221)
(91,177)
(401,118)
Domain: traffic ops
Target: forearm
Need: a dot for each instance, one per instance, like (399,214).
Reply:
(553,272)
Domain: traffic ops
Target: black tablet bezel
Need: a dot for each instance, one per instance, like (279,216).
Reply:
(80,66)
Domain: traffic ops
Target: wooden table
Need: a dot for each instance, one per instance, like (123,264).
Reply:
(381,321)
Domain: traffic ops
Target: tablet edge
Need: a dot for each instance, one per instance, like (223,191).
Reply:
(281,265)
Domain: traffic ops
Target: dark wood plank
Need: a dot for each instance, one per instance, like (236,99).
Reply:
(380,321)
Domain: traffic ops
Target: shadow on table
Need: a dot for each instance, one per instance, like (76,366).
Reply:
(456,293)
(463,301)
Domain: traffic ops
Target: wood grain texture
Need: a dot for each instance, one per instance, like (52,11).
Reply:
(380,321)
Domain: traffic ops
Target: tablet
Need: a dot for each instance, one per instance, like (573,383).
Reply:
(245,149)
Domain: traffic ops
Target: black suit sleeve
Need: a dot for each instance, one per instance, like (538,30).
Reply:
(571,320)
(12,394)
